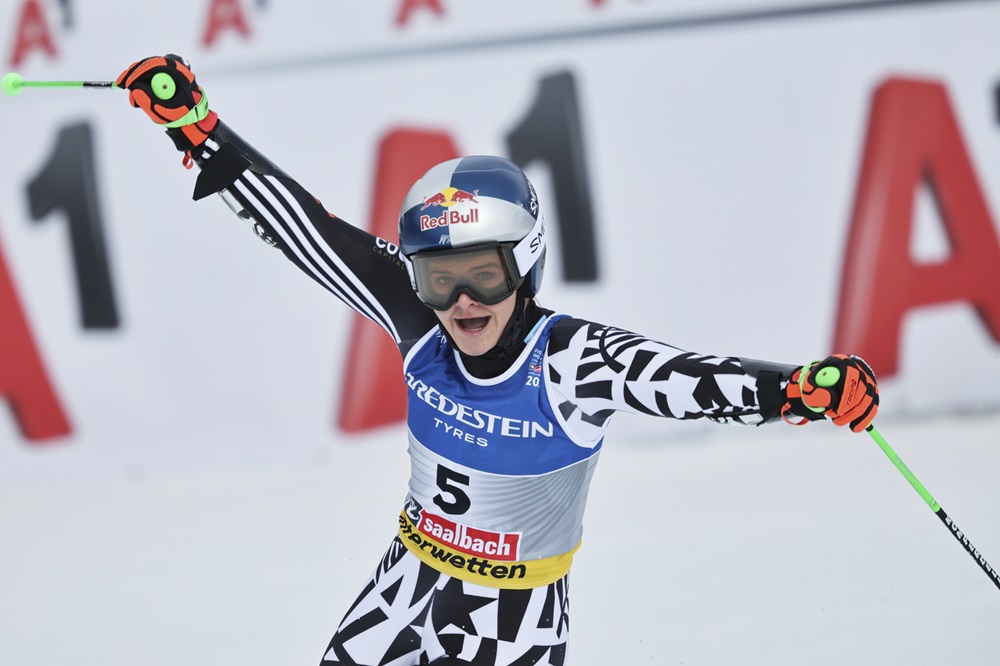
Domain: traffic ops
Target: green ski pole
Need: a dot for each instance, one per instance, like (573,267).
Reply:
(935,507)
(12,84)
(829,377)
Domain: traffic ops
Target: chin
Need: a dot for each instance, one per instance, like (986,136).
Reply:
(476,347)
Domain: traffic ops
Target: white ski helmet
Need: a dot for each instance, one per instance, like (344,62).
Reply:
(465,216)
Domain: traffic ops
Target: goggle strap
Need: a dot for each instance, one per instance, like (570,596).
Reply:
(527,251)
(410,270)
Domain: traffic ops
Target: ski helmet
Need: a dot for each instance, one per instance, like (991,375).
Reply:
(472,225)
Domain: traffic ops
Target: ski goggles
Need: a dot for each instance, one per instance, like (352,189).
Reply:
(486,273)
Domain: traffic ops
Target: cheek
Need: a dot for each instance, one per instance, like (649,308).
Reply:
(442,318)
(504,314)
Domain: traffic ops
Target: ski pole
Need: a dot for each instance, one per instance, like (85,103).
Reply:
(829,376)
(935,507)
(12,84)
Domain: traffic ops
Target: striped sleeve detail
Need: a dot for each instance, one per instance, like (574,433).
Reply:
(208,148)
(267,199)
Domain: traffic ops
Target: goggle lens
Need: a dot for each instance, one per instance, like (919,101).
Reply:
(482,273)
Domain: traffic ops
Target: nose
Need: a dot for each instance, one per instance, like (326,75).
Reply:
(465,301)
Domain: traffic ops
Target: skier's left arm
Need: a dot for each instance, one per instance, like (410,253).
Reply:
(596,370)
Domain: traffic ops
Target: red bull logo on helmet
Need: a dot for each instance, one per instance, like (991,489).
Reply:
(447,218)
(447,198)
(450,196)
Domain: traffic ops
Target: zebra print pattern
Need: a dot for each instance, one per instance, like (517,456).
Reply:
(408,614)
(595,370)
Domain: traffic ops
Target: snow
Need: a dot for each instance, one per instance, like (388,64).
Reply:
(708,546)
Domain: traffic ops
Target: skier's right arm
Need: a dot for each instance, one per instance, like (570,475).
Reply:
(360,269)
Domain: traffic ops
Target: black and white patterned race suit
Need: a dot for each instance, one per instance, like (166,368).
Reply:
(500,467)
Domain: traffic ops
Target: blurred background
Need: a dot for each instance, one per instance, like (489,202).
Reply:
(202,451)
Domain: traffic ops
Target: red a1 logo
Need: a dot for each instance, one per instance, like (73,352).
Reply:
(913,139)
(23,378)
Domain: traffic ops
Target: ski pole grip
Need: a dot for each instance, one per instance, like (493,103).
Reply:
(163,86)
(827,377)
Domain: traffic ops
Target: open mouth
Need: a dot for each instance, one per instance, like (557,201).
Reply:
(472,324)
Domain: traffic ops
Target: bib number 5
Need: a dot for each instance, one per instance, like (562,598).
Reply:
(453,499)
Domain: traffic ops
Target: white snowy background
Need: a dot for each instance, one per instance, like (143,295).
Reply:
(206,510)
(760,547)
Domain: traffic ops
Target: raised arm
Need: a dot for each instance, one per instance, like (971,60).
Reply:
(362,270)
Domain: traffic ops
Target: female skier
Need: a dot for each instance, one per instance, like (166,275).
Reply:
(508,402)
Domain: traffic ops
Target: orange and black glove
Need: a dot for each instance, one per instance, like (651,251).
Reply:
(840,387)
(165,88)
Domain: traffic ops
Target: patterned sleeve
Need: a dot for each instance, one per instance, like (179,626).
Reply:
(597,370)
(363,271)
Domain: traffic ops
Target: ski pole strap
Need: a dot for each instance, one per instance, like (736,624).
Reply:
(802,379)
(198,113)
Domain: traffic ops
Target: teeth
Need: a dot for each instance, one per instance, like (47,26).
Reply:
(473,324)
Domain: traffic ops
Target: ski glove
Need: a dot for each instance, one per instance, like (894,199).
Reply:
(165,88)
(840,387)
